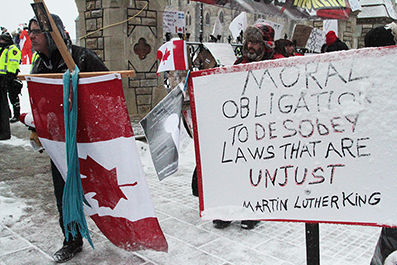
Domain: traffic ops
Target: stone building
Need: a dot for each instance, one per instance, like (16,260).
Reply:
(201,18)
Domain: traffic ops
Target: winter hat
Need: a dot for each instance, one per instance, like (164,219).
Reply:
(381,36)
(330,37)
(7,39)
(260,32)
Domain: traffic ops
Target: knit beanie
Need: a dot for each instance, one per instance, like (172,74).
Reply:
(330,37)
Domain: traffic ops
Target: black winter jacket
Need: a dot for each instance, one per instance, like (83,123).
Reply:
(85,59)
(338,45)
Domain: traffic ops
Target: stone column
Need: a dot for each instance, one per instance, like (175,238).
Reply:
(130,45)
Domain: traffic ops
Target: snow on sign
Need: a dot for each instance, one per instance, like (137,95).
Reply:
(300,139)
(174,22)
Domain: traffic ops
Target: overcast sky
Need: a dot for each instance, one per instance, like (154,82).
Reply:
(16,12)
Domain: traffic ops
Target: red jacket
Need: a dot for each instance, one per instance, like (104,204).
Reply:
(27,44)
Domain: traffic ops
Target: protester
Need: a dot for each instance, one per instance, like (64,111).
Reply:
(381,36)
(10,57)
(284,48)
(26,46)
(258,45)
(387,242)
(51,61)
(334,43)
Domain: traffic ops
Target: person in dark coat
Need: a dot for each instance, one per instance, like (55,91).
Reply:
(51,61)
(334,43)
(386,247)
(381,36)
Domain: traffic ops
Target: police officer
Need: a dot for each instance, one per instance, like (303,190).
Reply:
(10,57)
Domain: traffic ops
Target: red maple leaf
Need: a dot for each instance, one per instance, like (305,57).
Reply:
(167,54)
(101,181)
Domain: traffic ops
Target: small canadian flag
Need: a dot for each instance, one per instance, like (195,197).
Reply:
(172,55)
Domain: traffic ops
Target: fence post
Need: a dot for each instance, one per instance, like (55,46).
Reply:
(312,244)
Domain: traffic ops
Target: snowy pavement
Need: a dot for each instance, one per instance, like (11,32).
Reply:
(29,230)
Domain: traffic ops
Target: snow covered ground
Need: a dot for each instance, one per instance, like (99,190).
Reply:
(29,235)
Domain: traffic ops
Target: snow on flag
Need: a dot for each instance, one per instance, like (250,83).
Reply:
(172,55)
(112,176)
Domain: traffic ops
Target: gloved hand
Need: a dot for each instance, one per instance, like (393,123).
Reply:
(35,141)
(10,77)
(8,80)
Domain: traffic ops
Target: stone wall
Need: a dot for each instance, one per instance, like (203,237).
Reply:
(126,34)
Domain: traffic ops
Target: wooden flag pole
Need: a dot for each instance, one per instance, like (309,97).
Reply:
(67,57)
(123,73)
(44,16)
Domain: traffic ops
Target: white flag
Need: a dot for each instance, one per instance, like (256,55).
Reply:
(238,24)
(217,30)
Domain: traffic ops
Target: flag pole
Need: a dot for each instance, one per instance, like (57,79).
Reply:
(123,73)
(67,57)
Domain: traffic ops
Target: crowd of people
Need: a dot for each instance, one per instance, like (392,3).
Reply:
(259,45)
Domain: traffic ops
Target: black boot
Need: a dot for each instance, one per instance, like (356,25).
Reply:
(220,224)
(17,113)
(69,249)
(249,224)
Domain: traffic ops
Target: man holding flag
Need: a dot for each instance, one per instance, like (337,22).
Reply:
(51,61)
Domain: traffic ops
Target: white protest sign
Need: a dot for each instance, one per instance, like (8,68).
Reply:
(316,40)
(299,139)
(174,22)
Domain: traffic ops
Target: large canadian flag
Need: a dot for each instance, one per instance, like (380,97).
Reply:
(172,55)
(112,176)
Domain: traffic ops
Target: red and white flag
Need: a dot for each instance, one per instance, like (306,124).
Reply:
(112,176)
(172,55)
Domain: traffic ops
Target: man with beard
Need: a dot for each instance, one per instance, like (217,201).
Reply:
(258,46)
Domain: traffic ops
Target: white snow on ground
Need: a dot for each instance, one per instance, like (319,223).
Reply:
(11,207)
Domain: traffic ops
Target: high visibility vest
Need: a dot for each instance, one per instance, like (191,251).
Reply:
(34,58)
(10,59)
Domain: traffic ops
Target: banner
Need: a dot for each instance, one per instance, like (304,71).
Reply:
(162,127)
(112,176)
(296,9)
(307,138)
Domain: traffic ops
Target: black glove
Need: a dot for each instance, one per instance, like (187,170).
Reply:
(10,77)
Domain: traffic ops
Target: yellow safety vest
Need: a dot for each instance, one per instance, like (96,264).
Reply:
(10,59)
(34,58)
